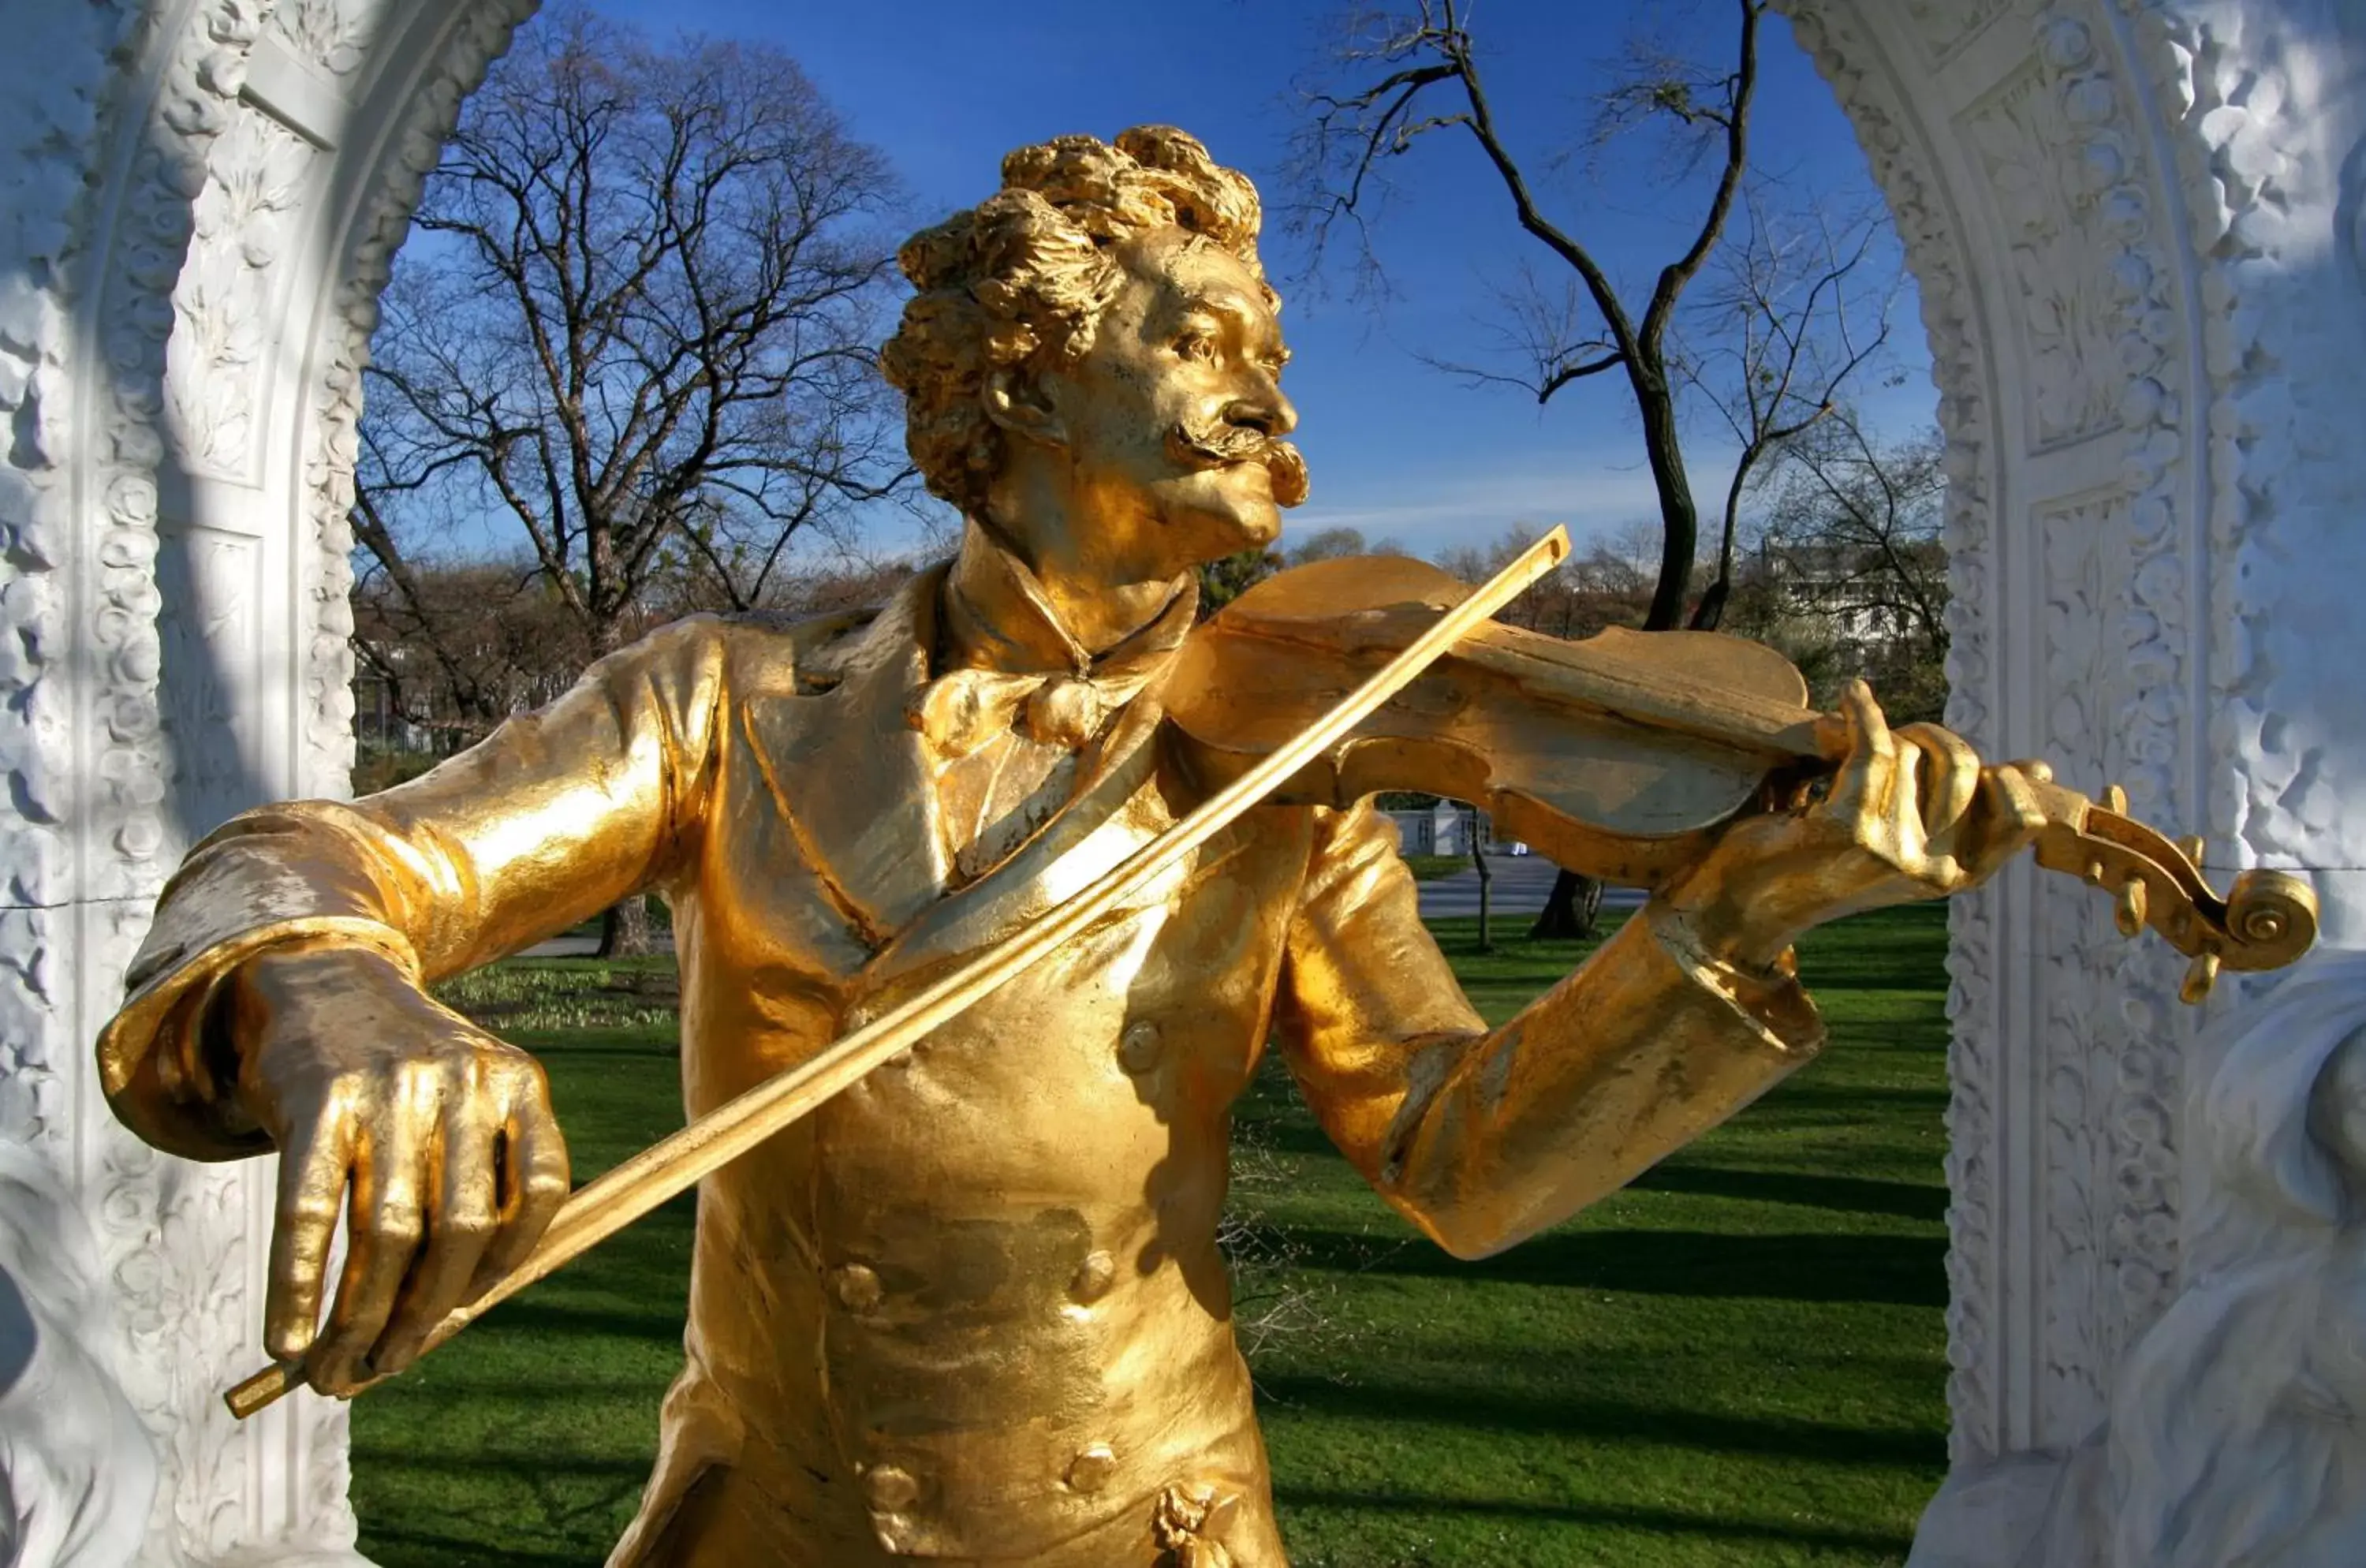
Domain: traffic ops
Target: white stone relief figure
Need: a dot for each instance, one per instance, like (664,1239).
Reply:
(2235,1433)
(77,1470)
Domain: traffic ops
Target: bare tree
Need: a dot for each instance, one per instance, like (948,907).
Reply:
(1421,74)
(456,648)
(1333,544)
(1760,347)
(633,326)
(1791,318)
(1852,577)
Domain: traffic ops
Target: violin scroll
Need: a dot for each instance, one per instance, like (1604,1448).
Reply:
(2265,919)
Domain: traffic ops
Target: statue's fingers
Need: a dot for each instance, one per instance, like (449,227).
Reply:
(459,1228)
(1951,778)
(1868,776)
(2007,818)
(315,1157)
(389,1222)
(535,1184)
(2019,816)
(1906,845)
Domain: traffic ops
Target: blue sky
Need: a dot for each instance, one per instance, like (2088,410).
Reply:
(1396,447)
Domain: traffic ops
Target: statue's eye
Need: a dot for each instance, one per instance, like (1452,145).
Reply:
(1197,346)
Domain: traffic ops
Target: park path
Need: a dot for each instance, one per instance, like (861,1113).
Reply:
(1521,884)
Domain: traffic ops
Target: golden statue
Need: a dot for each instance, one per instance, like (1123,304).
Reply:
(971,1309)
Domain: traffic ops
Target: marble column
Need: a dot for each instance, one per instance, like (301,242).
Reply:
(198,202)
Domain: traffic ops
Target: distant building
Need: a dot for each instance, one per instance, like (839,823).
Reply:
(1443,830)
(1855,596)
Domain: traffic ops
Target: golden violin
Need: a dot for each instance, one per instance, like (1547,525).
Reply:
(1621,756)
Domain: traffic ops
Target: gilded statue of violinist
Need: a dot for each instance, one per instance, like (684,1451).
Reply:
(972,1310)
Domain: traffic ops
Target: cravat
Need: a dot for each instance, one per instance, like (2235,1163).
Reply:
(967,708)
(963,709)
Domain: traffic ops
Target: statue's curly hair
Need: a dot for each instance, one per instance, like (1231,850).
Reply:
(1021,280)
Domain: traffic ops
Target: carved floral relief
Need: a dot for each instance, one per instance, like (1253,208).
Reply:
(228,333)
(2081,542)
(334,35)
(211,611)
(1943,27)
(2046,220)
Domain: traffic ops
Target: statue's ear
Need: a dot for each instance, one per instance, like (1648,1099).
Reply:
(1022,405)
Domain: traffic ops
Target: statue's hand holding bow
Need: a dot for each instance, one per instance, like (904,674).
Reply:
(1911,813)
(435,1141)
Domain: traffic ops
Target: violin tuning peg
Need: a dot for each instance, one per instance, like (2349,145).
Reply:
(2094,874)
(2115,800)
(2200,975)
(2130,911)
(2191,848)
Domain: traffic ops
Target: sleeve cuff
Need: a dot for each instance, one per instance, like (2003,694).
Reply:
(1770,1002)
(152,1055)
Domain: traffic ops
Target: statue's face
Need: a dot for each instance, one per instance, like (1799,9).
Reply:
(1171,424)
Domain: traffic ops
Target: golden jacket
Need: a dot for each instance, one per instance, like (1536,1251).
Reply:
(972,1310)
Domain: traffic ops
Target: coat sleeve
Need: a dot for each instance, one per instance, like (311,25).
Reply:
(552,819)
(1483,1137)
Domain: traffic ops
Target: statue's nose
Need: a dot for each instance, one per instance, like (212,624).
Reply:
(1272,416)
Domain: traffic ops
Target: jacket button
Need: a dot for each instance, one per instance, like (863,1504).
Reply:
(1090,1469)
(890,1490)
(856,1288)
(1137,1048)
(1094,1276)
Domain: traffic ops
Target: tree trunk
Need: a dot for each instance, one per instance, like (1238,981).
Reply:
(1711,609)
(1571,910)
(1679,519)
(625,929)
(1486,887)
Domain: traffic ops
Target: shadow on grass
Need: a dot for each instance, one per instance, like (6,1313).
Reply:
(1665,1521)
(1843,1194)
(541,1463)
(549,1498)
(1297,1134)
(1484,1409)
(661,1323)
(407,1546)
(1883,1270)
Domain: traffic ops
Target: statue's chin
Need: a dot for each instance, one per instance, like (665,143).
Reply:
(1262,527)
(1232,536)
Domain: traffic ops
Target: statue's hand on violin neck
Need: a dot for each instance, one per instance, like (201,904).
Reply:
(1911,813)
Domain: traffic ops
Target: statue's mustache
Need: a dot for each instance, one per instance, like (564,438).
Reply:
(1219,443)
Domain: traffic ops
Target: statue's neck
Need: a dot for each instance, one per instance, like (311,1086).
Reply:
(1005,612)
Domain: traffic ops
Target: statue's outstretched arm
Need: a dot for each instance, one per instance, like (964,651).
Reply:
(279,1000)
(1686,1015)
(1483,1137)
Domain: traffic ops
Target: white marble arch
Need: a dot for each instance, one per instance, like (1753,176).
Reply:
(2138,228)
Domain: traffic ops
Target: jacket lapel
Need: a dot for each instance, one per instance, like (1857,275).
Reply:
(854,781)
(1107,817)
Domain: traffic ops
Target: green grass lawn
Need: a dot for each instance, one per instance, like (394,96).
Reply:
(1738,1360)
